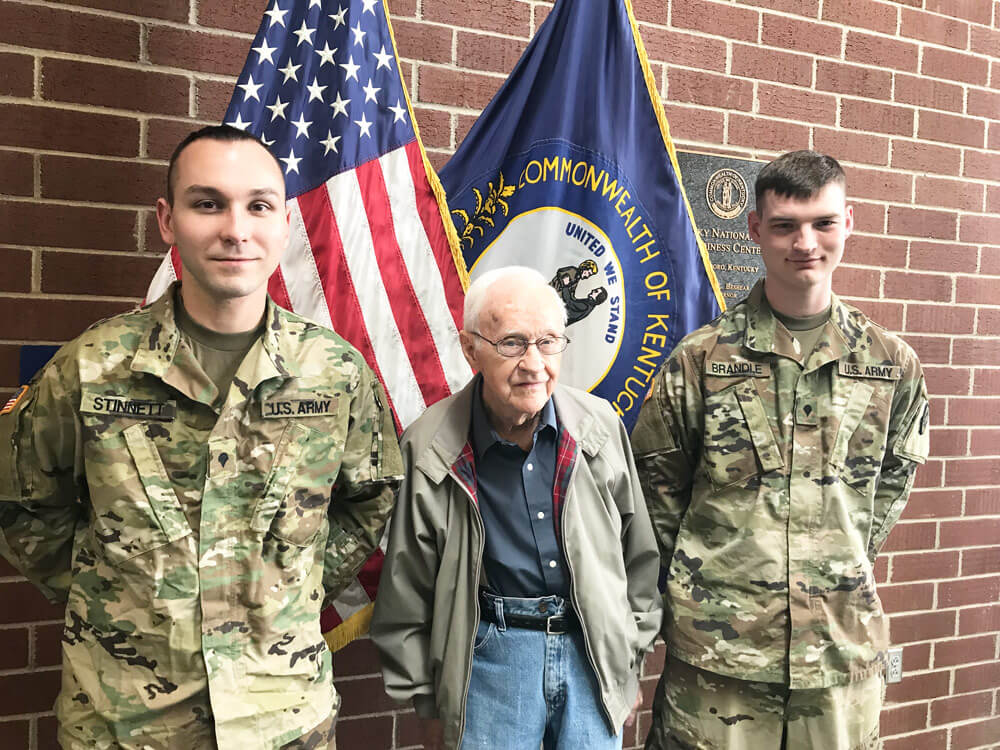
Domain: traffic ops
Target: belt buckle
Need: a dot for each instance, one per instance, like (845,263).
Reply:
(548,626)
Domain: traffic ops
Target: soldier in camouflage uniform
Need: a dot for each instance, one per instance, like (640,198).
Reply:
(776,451)
(197,480)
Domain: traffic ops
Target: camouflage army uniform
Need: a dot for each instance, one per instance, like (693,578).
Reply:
(196,545)
(772,480)
(700,710)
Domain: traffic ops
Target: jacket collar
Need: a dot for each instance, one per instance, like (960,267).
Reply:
(842,335)
(453,429)
(159,353)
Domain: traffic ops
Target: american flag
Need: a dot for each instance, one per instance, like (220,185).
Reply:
(369,254)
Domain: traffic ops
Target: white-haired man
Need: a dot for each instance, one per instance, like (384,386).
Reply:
(519,590)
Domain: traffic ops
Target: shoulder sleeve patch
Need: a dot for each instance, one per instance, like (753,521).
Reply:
(915,443)
(12,485)
(14,400)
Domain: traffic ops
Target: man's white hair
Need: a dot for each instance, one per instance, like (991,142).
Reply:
(478,293)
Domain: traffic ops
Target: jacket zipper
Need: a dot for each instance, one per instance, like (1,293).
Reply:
(475,599)
(572,595)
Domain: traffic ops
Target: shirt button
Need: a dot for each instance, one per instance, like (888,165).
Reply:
(540,515)
(552,563)
(531,467)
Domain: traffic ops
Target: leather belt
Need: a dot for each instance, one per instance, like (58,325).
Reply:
(554,625)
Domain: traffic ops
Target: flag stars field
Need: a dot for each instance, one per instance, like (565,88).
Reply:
(312,61)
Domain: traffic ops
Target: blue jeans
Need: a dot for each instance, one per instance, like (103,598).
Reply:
(529,689)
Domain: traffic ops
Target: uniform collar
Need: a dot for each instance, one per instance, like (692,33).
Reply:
(842,334)
(159,352)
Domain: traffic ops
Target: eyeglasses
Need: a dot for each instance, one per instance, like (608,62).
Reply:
(516,346)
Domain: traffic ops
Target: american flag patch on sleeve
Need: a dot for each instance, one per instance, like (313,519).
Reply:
(9,406)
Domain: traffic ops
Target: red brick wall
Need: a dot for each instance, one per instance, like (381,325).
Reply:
(95,93)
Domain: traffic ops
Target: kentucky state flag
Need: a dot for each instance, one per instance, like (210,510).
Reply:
(570,169)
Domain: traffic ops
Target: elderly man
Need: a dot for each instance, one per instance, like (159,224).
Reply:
(777,451)
(195,480)
(519,590)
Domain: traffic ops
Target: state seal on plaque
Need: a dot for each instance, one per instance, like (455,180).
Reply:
(726,193)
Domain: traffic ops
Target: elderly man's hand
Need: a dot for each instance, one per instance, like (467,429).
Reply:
(432,734)
(635,709)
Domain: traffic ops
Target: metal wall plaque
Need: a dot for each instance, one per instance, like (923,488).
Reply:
(720,190)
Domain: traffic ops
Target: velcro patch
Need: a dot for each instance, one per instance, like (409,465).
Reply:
(280,408)
(863,370)
(737,368)
(122,406)
(9,406)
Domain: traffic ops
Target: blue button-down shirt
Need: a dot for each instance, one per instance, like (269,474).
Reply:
(521,555)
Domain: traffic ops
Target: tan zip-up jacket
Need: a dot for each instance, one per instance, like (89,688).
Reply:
(427,609)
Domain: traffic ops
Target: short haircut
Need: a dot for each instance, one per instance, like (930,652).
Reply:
(478,292)
(798,174)
(215,133)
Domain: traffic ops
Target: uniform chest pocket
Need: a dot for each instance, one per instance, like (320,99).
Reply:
(860,442)
(135,507)
(296,495)
(738,442)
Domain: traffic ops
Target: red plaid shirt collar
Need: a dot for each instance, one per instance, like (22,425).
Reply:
(464,468)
